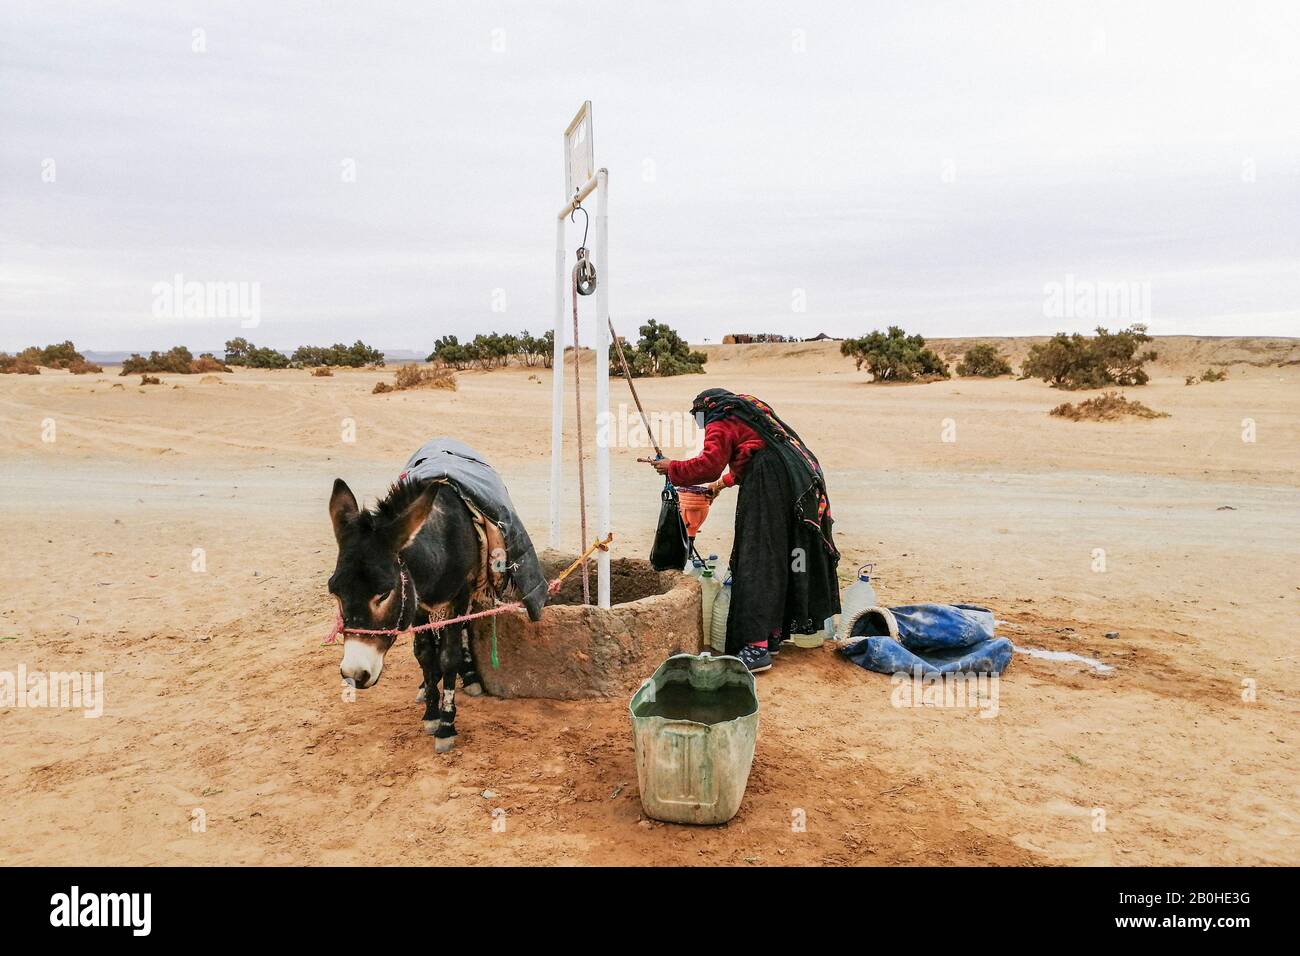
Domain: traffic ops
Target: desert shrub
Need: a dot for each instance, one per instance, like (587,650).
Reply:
(52,356)
(448,350)
(237,351)
(176,360)
(150,380)
(983,361)
(267,358)
(1107,407)
(207,362)
(1209,375)
(17,365)
(660,351)
(415,376)
(894,356)
(490,350)
(322,372)
(535,350)
(356,355)
(408,376)
(244,354)
(64,355)
(1078,361)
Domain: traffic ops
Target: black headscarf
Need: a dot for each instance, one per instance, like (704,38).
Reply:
(811,503)
(706,402)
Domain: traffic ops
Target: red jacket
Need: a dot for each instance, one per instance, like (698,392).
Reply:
(728,441)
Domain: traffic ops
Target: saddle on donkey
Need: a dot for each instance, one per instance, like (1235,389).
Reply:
(501,532)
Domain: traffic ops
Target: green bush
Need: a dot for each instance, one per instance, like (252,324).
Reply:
(178,359)
(660,351)
(535,350)
(244,354)
(448,351)
(983,361)
(356,355)
(1078,361)
(894,356)
(494,350)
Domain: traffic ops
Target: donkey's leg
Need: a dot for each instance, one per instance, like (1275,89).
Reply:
(422,617)
(449,660)
(470,680)
(426,652)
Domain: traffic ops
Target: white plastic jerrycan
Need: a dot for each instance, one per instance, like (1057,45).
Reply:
(859,596)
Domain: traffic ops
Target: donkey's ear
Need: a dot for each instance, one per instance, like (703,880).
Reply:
(343,506)
(407,525)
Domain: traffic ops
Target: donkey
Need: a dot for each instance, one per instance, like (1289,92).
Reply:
(415,554)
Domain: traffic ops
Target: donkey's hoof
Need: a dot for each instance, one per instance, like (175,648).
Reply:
(474,690)
(431,726)
(421,696)
(443,745)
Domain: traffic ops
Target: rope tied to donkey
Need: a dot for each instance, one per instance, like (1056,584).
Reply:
(339,629)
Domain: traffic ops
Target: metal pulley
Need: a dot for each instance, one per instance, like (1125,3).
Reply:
(584,273)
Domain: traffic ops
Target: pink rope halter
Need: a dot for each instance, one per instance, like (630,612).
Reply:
(339,629)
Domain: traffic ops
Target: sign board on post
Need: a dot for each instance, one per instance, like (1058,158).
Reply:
(580,162)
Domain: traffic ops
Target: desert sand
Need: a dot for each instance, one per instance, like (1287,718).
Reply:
(221,699)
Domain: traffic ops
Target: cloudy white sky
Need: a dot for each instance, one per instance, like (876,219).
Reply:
(935,165)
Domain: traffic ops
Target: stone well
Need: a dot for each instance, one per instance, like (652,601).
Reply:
(579,651)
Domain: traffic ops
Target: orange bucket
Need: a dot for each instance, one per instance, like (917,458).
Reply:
(695,508)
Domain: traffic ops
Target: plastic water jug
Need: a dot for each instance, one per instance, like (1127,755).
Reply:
(859,596)
(694,727)
(718,627)
(709,588)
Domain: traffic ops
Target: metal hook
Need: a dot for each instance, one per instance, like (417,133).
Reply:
(586,221)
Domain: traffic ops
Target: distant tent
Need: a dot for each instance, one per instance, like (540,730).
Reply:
(822,337)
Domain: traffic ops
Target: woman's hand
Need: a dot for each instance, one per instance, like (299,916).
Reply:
(715,488)
(660,465)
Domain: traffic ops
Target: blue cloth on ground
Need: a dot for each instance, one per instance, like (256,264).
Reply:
(932,638)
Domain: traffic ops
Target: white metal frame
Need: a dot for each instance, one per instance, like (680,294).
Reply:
(599,184)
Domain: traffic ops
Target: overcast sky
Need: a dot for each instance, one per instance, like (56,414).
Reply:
(783,167)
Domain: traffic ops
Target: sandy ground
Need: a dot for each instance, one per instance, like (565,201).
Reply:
(220,699)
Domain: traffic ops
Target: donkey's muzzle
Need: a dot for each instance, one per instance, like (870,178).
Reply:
(362,663)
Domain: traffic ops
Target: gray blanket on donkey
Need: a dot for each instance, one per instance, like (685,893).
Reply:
(446,459)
